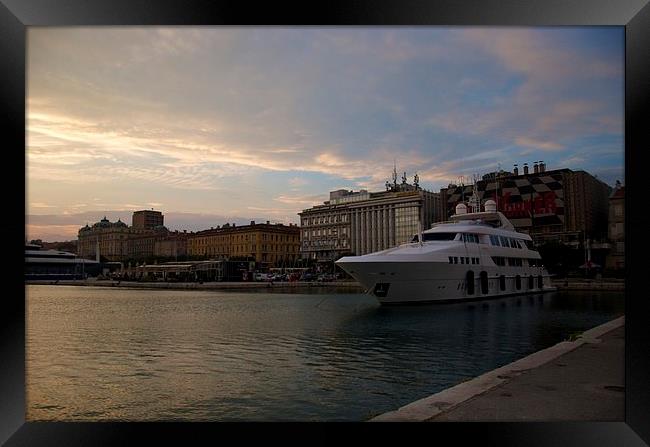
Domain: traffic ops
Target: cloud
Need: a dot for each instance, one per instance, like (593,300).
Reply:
(310,200)
(181,115)
(542,145)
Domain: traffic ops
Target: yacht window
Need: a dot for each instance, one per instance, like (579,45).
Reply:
(437,237)
(462,260)
(504,241)
(495,240)
(469,237)
(451,260)
(455,259)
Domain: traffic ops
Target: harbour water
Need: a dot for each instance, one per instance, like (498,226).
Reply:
(138,355)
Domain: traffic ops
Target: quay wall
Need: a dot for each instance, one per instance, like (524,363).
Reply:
(343,286)
(351,286)
(589,284)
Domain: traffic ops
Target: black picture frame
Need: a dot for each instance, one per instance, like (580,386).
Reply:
(634,15)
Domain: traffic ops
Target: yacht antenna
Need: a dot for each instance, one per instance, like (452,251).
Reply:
(462,189)
(496,195)
(476,202)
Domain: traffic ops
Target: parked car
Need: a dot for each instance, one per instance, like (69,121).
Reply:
(262,277)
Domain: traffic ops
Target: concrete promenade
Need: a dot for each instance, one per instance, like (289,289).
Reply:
(580,380)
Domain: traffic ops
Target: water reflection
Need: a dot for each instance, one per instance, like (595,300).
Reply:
(97,354)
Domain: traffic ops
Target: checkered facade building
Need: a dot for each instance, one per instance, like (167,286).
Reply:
(560,204)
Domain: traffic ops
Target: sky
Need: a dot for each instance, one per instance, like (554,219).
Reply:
(230,124)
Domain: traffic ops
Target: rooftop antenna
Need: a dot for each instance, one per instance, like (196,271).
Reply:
(395,173)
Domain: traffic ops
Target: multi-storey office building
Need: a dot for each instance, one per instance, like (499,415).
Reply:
(147,219)
(560,204)
(273,244)
(363,222)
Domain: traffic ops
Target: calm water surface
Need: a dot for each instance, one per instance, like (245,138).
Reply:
(119,354)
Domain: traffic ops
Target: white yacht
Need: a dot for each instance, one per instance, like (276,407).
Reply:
(474,256)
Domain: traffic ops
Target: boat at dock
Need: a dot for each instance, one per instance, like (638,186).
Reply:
(476,255)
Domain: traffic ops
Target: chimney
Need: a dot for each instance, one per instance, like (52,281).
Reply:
(252,222)
(536,168)
(525,168)
(516,170)
(268,222)
(542,166)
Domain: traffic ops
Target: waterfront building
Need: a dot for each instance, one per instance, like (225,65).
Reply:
(105,238)
(616,257)
(357,223)
(173,245)
(564,205)
(271,244)
(116,241)
(141,243)
(181,271)
(193,271)
(42,263)
(147,219)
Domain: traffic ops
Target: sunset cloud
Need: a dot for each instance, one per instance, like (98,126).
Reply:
(263,122)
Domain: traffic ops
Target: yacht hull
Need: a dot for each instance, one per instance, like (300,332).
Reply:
(440,282)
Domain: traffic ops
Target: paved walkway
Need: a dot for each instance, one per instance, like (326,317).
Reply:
(582,380)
